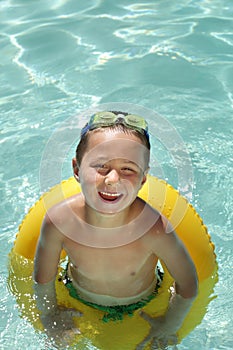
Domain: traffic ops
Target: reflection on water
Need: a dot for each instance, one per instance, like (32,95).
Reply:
(61,57)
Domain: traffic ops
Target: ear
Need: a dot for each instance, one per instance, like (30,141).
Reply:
(145,176)
(75,169)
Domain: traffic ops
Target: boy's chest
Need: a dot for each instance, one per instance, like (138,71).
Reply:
(128,260)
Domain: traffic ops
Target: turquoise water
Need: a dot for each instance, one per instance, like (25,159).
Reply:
(58,58)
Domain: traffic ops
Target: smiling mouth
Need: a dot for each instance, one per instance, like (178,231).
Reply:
(110,197)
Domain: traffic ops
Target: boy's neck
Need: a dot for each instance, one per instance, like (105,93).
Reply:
(105,220)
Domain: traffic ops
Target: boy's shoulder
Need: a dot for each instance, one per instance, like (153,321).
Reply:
(149,218)
(64,209)
(159,224)
(147,208)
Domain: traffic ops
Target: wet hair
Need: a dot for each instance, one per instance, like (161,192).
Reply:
(82,145)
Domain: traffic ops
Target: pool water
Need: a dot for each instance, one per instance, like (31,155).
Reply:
(59,58)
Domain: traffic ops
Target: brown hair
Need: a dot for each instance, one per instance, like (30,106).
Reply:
(82,145)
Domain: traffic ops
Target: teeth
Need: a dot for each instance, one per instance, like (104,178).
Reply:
(110,194)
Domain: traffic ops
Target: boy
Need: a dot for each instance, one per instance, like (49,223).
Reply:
(113,238)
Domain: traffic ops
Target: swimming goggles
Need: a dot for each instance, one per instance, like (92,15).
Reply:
(102,119)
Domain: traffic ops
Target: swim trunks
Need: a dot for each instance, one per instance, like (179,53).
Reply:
(117,312)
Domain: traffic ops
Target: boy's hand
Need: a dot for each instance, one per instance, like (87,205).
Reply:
(163,329)
(59,323)
(161,334)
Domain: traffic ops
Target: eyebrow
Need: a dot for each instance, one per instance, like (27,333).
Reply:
(106,160)
(100,159)
(127,161)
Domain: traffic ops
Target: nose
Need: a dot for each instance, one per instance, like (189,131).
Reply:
(112,177)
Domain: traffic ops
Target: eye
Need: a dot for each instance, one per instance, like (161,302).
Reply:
(127,171)
(101,169)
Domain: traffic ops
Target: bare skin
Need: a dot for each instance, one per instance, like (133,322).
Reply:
(103,231)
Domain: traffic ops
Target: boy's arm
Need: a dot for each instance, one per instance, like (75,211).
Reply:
(45,266)
(57,321)
(183,271)
(169,248)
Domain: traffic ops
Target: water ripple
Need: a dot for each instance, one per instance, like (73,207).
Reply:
(174,57)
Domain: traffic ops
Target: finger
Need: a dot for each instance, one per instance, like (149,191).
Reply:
(70,333)
(146,317)
(141,345)
(76,313)
(173,339)
(163,343)
(155,345)
(76,331)
(73,312)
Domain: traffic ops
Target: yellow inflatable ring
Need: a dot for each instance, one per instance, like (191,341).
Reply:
(131,331)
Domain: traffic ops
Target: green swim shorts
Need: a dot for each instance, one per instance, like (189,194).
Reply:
(112,313)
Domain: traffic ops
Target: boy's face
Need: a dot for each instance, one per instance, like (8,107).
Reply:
(112,170)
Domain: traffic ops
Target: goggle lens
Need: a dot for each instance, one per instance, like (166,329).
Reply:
(100,119)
